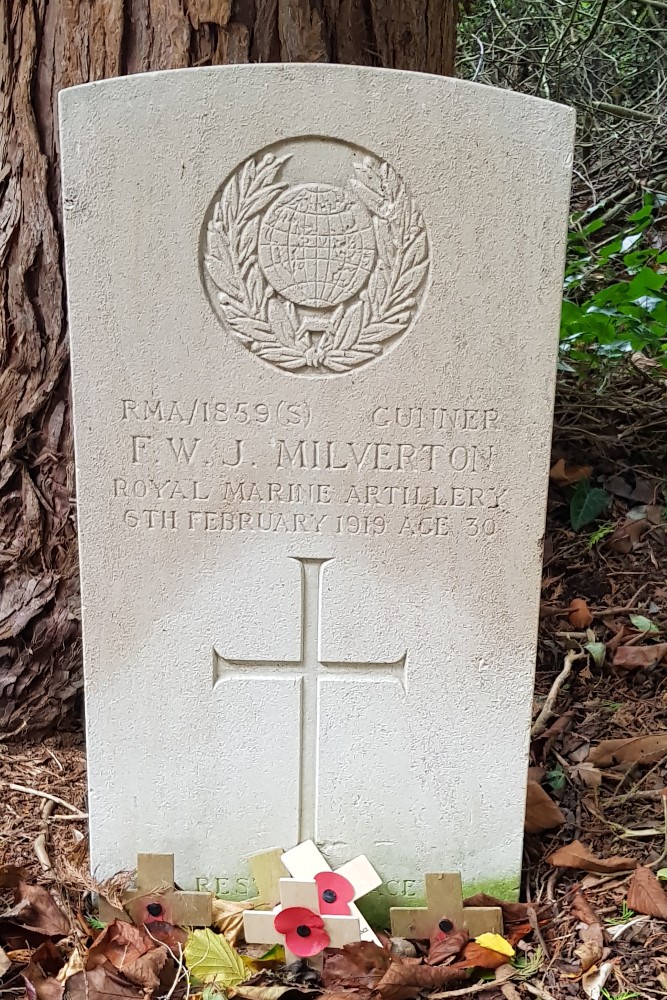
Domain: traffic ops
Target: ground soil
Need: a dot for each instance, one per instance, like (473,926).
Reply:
(617,428)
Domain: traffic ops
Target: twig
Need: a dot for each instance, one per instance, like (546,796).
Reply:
(477,988)
(47,795)
(540,723)
(538,991)
(39,845)
(535,924)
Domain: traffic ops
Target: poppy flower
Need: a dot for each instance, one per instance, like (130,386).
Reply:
(335,893)
(304,931)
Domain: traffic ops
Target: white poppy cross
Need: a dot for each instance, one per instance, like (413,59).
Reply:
(326,931)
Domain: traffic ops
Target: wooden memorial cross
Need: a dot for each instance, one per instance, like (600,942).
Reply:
(444,896)
(305,862)
(311,670)
(267,869)
(258,925)
(155,897)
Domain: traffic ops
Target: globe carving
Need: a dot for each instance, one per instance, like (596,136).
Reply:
(317,245)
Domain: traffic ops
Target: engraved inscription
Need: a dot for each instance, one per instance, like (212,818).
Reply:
(210,466)
(315,277)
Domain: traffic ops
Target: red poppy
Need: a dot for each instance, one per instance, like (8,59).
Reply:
(335,892)
(304,931)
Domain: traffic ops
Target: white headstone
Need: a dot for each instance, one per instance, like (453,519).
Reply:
(314,315)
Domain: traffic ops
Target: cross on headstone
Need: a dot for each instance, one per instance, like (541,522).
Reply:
(444,898)
(305,861)
(155,897)
(311,670)
(258,925)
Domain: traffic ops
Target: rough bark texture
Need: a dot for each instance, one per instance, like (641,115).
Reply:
(46,45)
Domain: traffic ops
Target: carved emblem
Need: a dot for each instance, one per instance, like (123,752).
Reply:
(314,277)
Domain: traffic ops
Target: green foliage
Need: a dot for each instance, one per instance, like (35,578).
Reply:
(625,914)
(615,290)
(587,503)
(596,536)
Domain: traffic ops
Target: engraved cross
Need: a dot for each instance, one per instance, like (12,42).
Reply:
(311,671)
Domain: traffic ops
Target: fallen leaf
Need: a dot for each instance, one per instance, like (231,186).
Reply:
(228,917)
(646,895)
(496,942)
(5,962)
(598,651)
(169,934)
(211,959)
(477,957)
(628,534)
(592,929)
(639,657)
(131,951)
(11,876)
(579,614)
(643,624)
(444,946)
(513,913)
(34,910)
(43,987)
(403,981)
(270,991)
(576,855)
(592,982)
(632,749)
(73,965)
(542,813)
(566,475)
(360,966)
(103,983)
(589,954)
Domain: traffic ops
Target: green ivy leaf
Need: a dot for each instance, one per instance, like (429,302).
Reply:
(587,503)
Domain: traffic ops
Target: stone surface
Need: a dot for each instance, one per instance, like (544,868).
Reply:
(314,349)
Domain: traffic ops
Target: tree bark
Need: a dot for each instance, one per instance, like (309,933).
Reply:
(46,45)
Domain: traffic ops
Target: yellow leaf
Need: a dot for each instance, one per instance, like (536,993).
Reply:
(211,959)
(495,942)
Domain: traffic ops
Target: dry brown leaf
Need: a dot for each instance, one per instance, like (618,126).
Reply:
(542,813)
(43,987)
(591,929)
(576,855)
(102,983)
(132,951)
(589,954)
(444,946)
(36,911)
(579,614)
(359,966)
(646,895)
(477,957)
(403,980)
(565,475)
(639,657)
(228,917)
(624,538)
(513,913)
(634,750)
(592,982)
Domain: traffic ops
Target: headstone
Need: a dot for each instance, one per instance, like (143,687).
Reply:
(314,315)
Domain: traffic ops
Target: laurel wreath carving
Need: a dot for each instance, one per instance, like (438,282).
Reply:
(273,327)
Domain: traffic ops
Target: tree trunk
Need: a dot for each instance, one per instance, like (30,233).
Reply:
(46,45)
